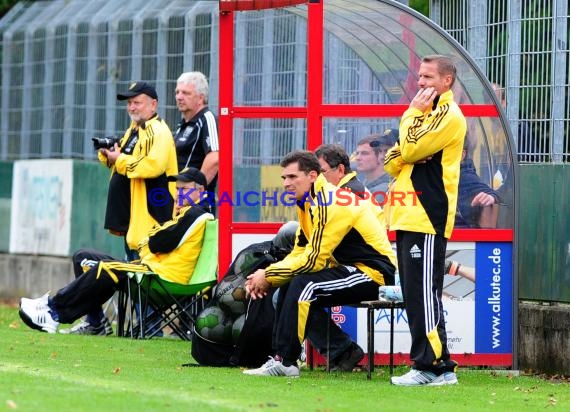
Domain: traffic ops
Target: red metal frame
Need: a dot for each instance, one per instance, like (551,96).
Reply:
(243,5)
(465,359)
(340,110)
(458,235)
(314,113)
(315,30)
(225,123)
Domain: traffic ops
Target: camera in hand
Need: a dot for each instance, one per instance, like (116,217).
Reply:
(107,142)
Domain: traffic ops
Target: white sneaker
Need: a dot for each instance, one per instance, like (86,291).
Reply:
(414,377)
(274,367)
(35,304)
(85,328)
(446,378)
(38,317)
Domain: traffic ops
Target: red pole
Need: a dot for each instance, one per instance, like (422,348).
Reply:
(225,124)
(315,74)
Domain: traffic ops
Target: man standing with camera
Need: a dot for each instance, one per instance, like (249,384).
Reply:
(139,194)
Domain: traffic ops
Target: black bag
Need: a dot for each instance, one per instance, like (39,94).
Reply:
(253,345)
(210,353)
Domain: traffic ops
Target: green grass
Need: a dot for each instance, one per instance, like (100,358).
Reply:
(41,372)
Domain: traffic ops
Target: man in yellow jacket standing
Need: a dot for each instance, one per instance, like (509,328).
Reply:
(139,194)
(426,164)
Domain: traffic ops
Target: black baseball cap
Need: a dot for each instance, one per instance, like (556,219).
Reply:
(190,174)
(388,138)
(137,88)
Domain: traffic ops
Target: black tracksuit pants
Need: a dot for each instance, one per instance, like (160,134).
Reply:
(301,305)
(421,264)
(87,293)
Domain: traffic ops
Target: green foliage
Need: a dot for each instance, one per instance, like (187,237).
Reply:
(87,373)
(536,62)
(5,5)
(421,6)
(536,59)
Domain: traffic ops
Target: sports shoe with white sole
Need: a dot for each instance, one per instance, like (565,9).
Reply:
(38,318)
(274,367)
(35,304)
(414,377)
(446,378)
(85,328)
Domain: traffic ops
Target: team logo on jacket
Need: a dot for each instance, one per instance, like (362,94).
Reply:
(415,252)
(187,132)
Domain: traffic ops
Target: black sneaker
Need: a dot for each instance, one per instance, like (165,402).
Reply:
(348,360)
(85,328)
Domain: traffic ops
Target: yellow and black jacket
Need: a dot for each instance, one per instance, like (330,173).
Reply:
(427,190)
(152,160)
(351,183)
(171,249)
(336,227)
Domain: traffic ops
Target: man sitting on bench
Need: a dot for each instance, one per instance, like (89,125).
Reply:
(342,255)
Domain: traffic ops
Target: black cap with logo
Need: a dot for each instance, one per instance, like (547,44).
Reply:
(137,88)
(190,174)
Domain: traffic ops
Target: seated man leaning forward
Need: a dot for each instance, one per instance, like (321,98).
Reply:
(170,250)
(336,227)
(344,353)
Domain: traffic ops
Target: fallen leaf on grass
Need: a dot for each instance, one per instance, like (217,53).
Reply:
(116,370)
(551,402)
(14,325)
(11,404)
(531,389)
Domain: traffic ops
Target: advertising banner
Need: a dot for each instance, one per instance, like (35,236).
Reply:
(477,302)
(41,207)
(493,323)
